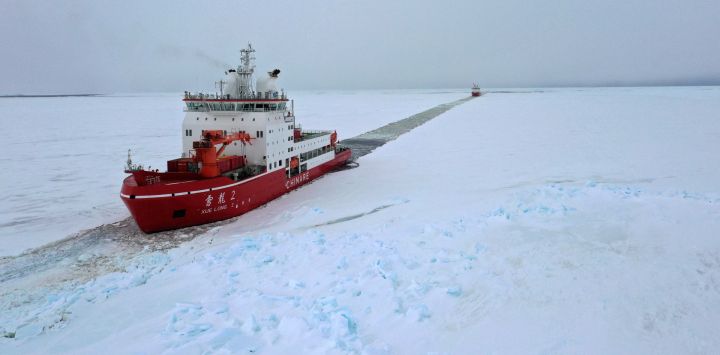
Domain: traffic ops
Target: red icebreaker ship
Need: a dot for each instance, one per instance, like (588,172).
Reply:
(241,149)
(476,90)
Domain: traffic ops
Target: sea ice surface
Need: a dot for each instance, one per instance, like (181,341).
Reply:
(548,221)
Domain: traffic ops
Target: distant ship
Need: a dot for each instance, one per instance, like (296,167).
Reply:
(241,149)
(476,90)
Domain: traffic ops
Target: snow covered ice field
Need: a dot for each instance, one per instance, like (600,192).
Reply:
(558,221)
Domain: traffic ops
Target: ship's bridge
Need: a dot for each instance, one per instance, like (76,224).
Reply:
(237,92)
(206,103)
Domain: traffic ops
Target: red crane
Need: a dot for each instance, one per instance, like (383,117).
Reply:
(207,154)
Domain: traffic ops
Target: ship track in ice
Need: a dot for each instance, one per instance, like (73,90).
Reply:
(368,141)
(94,251)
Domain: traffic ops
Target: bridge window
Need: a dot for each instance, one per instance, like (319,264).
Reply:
(194,106)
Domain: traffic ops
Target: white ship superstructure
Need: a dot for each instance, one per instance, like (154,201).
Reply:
(263,112)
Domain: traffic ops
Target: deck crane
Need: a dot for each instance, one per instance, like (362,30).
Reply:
(206,154)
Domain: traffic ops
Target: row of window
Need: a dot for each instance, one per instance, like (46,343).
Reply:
(277,164)
(258,134)
(188,132)
(293,172)
(231,106)
(314,153)
(242,119)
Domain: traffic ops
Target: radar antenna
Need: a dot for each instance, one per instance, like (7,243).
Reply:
(248,58)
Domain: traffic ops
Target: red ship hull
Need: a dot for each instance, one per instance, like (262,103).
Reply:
(179,204)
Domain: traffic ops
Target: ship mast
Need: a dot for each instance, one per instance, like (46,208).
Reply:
(245,71)
(221,85)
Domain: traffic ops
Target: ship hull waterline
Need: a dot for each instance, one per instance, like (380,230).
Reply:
(184,204)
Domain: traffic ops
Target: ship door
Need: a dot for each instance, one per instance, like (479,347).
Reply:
(294,166)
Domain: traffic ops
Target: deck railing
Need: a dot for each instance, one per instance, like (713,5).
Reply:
(269,95)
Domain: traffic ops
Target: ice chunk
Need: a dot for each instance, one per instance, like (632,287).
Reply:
(455,291)
(250,325)
(29,330)
(419,312)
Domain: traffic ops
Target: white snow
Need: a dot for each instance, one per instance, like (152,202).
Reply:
(65,156)
(563,221)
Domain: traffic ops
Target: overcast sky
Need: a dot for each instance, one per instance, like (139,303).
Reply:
(150,46)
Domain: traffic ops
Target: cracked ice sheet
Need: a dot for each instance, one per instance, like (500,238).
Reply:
(562,222)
